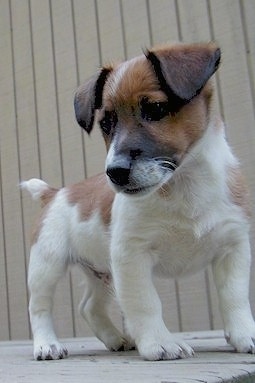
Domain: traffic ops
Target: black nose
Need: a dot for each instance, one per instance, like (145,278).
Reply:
(118,175)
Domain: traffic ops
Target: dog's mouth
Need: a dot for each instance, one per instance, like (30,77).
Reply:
(143,177)
(138,190)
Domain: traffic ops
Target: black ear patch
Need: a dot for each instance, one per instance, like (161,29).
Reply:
(182,71)
(176,101)
(88,98)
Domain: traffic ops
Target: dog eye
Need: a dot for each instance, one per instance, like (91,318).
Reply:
(154,111)
(108,122)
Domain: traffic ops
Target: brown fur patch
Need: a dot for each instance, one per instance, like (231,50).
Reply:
(239,190)
(138,81)
(48,196)
(91,195)
(181,131)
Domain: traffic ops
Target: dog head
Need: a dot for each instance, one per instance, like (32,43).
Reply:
(151,110)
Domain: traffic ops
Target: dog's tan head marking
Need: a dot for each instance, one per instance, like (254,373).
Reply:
(151,110)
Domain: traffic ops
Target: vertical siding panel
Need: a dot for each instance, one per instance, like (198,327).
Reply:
(163,21)
(15,259)
(6,108)
(135,24)
(237,86)
(194,292)
(4,312)
(248,14)
(167,293)
(48,134)
(66,81)
(70,138)
(26,114)
(194,22)
(234,78)
(25,109)
(195,25)
(88,62)
(247,9)
(110,29)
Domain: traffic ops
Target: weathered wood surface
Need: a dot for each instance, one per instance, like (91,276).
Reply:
(90,362)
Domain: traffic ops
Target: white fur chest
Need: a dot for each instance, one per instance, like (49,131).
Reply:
(195,221)
(175,245)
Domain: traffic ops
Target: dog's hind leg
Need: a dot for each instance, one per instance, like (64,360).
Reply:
(93,308)
(45,270)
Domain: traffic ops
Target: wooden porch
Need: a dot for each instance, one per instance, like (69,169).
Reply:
(90,362)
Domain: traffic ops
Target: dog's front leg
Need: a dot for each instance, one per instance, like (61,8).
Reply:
(45,270)
(231,275)
(141,306)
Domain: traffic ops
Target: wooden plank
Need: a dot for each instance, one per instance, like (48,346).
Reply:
(163,21)
(11,203)
(4,312)
(5,99)
(26,114)
(247,13)
(88,57)
(195,312)
(247,9)
(194,25)
(167,293)
(110,30)
(46,104)
(70,138)
(236,85)
(66,82)
(215,316)
(136,33)
(214,362)
(194,303)
(48,135)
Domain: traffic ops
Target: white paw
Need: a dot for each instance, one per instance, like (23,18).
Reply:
(169,348)
(50,352)
(241,341)
(119,343)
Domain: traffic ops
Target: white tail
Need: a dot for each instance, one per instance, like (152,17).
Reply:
(36,187)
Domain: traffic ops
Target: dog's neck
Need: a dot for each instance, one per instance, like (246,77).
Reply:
(191,195)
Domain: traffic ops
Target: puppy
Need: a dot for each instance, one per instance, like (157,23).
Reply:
(171,202)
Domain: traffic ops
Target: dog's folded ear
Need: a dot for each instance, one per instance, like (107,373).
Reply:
(88,99)
(184,69)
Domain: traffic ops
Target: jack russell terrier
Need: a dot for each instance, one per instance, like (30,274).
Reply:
(171,202)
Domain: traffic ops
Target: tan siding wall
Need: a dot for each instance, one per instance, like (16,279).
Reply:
(48,48)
